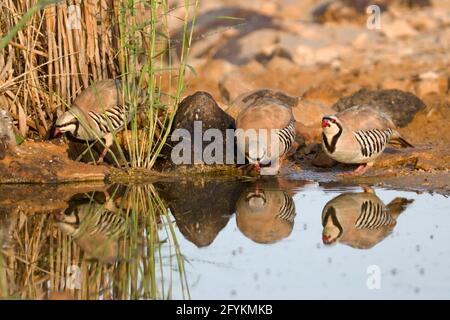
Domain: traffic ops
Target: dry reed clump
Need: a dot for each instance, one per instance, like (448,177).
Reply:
(56,55)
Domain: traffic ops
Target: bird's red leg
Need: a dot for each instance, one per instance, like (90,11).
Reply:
(258,167)
(108,143)
(100,159)
(362,168)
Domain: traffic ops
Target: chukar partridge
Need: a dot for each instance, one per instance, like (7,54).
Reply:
(265,215)
(360,220)
(359,135)
(97,113)
(95,227)
(264,134)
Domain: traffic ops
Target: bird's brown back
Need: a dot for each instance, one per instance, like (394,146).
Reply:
(365,118)
(268,114)
(100,96)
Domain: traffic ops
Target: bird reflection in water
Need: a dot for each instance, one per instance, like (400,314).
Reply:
(265,214)
(96,227)
(360,220)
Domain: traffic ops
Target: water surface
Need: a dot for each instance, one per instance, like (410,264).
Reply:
(220,239)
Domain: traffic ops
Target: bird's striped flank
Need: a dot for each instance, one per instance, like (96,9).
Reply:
(112,119)
(373,216)
(287,210)
(372,142)
(287,137)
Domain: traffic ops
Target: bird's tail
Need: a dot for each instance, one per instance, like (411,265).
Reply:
(398,141)
(398,205)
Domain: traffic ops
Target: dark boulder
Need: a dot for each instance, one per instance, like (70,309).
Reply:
(201,106)
(196,114)
(401,106)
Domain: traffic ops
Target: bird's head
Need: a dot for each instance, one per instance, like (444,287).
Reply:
(331,125)
(257,154)
(330,235)
(68,220)
(256,200)
(332,229)
(67,122)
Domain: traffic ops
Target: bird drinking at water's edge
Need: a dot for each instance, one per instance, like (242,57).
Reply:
(98,112)
(265,133)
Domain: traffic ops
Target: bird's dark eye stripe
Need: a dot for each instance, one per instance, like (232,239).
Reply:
(329,119)
(67,123)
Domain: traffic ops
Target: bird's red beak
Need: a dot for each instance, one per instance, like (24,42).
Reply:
(326,239)
(56,133)
(325,123)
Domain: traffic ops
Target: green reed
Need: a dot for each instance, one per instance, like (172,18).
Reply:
(148,139)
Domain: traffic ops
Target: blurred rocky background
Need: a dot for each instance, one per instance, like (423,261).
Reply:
(331,54)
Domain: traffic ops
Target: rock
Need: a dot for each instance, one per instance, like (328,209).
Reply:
(222,38)
(241,81)
(323,93)
(399,84)
(308,56)
(424,20)
(398,29)
(46,162)
(249,46)
(425,164)
(201,106)
(196,114)
(432,82)
(308,116)
(345,10)
(254,97)
(307,48)
(401,106)
(279,60)
(290,9)
(415,3)
(323,161)
(355,10)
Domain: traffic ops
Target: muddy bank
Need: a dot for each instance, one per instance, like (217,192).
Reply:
(46,162)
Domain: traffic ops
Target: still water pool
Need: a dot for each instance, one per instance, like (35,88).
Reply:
(226,239)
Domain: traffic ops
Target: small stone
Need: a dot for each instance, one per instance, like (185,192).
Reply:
(238,82)
(323,93)
(425,164)
(398,29)
(308,115)
(432,82)
(323,161)
(399,84)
